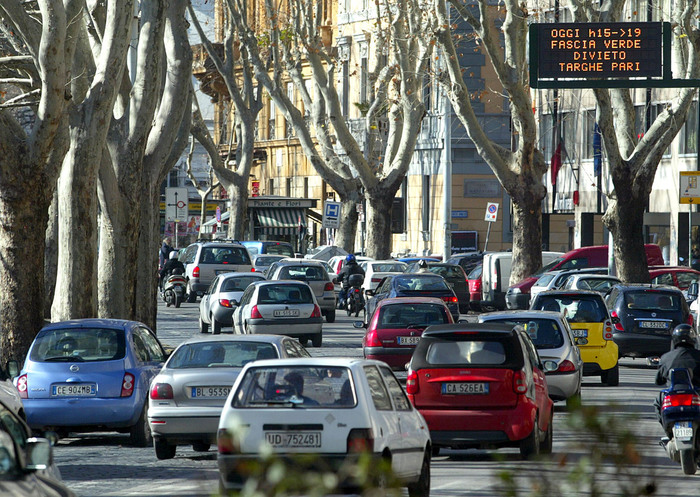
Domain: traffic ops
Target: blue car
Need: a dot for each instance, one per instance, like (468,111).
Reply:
(91,375)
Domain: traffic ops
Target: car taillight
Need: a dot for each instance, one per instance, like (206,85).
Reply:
(225,443)
(22,386)
(195,272)
(450,299)
(618,325)
(360,440)
(566,366)
(127,385)
(684,399)
(494,278)
(255,313)
(412,383)
(252,270)
(519,383)
(607,330)
(372,339)
(225,303)
(690,320)
(161,391)
(317,312)
(329,287)
(375,280)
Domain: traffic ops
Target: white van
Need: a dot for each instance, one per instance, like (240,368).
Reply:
(495,277)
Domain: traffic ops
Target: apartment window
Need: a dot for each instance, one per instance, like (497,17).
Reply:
(689,136)
(288,187)
(588,131)
(546,130)
(427,86)
(271,123)
(345,89)
(306,187)
(426,203)
(271,186)
(364,73)
(291,95)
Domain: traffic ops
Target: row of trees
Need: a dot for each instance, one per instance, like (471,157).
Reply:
(97,108)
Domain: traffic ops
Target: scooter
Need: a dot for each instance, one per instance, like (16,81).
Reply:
(355,298)
(680,417)
(174,288)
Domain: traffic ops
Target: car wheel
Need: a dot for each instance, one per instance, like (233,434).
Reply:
(611,377)
(203,327)
(546,446)
(530,446)
(215,326)
(164,450)
(201,446)
(191,295)
(303,341)
(140,433)
(317,340)
(330,316)
(421,488)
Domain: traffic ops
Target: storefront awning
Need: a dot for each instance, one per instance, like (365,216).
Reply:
(280,221)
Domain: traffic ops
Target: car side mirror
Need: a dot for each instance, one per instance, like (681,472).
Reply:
(550,366)
(38,451)
(369,292)
(12,368)
(358,324)
(693,291)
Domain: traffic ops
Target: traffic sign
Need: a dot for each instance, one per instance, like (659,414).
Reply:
(331,214)
(491,212)
(689,187)
(176,203)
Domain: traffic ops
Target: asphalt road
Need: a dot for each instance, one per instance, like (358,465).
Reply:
(105,465)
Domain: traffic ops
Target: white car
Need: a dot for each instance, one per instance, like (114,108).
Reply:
(284,307)
(600,283)
(338,261)
(375,271)
(219,301)
(334,408)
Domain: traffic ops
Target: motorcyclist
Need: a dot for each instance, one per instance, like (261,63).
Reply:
(683,354)
(171,266)
(349,268)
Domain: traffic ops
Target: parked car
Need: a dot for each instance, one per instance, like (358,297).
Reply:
(187,396)
(553,280)
(330,408)
(474,284)
(552,337)
(268,247)
(314,274)
(678,276)
(205,260)
(8,392)
(375,271)
(397,325)
(600,283)
(91,375)
(217,305)
(468,260)
(26,462)
(644,317)
(263,261)
(284,307)
(482,386)
(591,326)
(455,277)
(412,285)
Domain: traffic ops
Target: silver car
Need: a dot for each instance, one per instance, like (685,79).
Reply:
(187,396)
(315,275)
(552,336)
(262,262)
(220,300)
(285,307)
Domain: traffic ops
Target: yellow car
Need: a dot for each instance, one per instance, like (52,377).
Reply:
(591,327)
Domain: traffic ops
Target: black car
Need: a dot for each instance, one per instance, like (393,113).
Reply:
(644,317)
(413,285)
(467,260)
(455,277)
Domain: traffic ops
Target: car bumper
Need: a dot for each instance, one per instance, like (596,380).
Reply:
(598,358)
(561,386)
(327,303)
(395,358)
(186,424)
(289,327)
(223,315)
(88,412)
(517,300)
(198,286)
(641,345)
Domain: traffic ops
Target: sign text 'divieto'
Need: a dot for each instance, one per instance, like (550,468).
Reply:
(599,50)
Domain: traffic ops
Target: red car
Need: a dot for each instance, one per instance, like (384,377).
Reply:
(678,276)
(482,386)
(474,283)
(397,325)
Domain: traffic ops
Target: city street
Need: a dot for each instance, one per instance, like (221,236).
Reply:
(105,465)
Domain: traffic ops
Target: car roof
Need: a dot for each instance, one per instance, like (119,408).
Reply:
(672,269)
(521,314)
(570,293)
(647,286)
(94,323)
(453,329)
(414,275)
(232,274)
(278,282)
(317,362)
(409,300)
(299,262)
(235,338)
(594,276)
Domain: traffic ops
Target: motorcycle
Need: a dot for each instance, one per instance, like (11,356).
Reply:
(174,289)
(680,417)
(355,299)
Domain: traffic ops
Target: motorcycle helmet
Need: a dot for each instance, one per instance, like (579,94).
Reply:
(173,254)
(350,258)
(683,335)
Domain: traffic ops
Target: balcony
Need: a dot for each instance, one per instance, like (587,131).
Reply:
(210,81)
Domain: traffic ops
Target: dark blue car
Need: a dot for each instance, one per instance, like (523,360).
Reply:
(413,285)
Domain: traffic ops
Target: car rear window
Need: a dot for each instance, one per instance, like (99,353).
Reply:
(279,249)
(296,386)
(407,315)
(265,261)
(78,345)
(544,333)
(544,280)
(576,310)
(408,284)
(224,255)
(389,268)
(464,353)
(475,273)
(238,284)
(233,354)
(661,301)
(303,273)
(285,294)
(448,272)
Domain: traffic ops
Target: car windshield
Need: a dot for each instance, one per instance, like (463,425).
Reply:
(389,267)
(224,255)
(238,283)
(280,249)
(475,273)
(463,353)
(411,316)
(220,354)
(303,273)
(544,333)
(295,386)
(576,310)
(598,285)
(544,280)
(265,261)
(548,267)
(416,284)
(657,301)
(448,272)
(285,294)
(78,344)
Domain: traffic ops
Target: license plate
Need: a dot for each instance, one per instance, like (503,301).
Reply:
(286,313)
(683,431)
(580,333)
(198,392)
(465,388)
(659,325)
(80,390)
(408,340)
(291,440)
